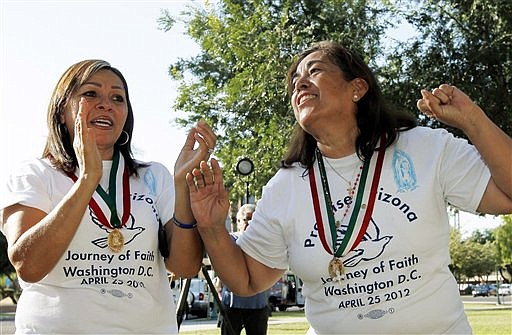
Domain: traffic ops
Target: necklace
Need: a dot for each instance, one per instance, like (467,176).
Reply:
(350,187)
(360,217)
(351,191)
(107,202)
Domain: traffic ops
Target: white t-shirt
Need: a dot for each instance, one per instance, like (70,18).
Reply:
(397,279)
(92,289)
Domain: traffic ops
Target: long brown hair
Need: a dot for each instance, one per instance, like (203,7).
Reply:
(374,116)
(59,147)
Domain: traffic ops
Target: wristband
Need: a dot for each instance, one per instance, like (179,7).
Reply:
(184,225)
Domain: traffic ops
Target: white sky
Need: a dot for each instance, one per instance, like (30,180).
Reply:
(39,40)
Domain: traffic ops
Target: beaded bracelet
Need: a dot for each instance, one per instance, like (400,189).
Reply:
(184,225)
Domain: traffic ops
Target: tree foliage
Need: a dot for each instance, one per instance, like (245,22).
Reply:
(237,81)
(466,43)
(5,265)
(7,271)
(482,236)
(503,235)
(471,258)
(483,252)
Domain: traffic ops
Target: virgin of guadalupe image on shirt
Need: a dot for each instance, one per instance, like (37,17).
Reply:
(403,172)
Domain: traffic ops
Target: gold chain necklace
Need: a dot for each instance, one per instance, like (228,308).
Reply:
(350,185)
(351,188)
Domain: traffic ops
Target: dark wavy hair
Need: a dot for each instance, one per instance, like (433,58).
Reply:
(59,147)
(374,116)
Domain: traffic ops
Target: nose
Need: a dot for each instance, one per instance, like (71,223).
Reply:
(104,103)
(301,83)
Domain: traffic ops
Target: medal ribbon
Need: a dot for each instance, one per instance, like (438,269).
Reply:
(107,202)
(366,194)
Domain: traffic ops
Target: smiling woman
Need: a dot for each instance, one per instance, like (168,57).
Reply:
(369,236)
(75,228)
(90,101)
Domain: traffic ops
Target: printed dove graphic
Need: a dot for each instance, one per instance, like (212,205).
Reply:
(129,231)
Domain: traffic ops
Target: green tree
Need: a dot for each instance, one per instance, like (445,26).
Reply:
(5,265)
(470,258)
(503,236)
(486,259)
(482,236)
(237,82)
(457,255)
(466,43)
(8,271)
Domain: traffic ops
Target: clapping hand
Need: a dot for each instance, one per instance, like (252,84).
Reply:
(208,197)
(84,144)
(190,157)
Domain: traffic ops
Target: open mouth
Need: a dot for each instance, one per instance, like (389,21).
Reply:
(102,122)
(306,97)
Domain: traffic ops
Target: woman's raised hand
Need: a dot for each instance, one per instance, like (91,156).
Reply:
(190,155)
(208,196)
(84,144)
(449,105)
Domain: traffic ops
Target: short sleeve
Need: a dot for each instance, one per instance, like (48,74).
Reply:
(27,186)
(463,174)
(265,240)
(160,181)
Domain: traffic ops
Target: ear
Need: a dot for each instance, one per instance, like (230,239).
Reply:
(360,88)
(61,114)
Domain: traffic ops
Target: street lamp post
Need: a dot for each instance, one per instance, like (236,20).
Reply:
(245,167)
(498,302)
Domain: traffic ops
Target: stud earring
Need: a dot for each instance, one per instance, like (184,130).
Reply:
(355,98)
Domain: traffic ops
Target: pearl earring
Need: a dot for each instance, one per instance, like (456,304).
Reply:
(355,98)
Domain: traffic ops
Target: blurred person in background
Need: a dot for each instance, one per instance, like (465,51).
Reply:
(249,313)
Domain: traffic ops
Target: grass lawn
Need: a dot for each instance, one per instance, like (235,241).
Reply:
(491,322)
(483,322)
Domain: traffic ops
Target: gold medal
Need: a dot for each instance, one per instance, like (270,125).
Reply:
(336,269)
(115,240)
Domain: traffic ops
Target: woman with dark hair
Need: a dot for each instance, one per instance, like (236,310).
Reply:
(59,148)
(92,232)
(374,116)
(359,213)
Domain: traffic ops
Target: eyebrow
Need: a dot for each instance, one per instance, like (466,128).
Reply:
(314,61)
(99,85)
(309,64)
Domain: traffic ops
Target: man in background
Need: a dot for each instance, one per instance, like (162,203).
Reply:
(252,312)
